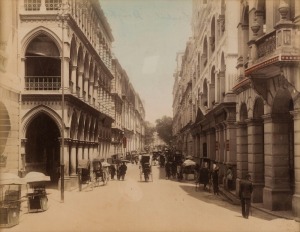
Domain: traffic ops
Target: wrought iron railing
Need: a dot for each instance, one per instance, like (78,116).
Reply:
(42,82)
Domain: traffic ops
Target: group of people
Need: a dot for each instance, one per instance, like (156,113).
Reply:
(119,169)
(206,177)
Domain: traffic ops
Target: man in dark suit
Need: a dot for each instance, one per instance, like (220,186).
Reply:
(246,189)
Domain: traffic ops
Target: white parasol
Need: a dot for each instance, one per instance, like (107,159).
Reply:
(189,162)
(36,177)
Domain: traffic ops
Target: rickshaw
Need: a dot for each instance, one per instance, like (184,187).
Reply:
(10,199)
(37,199)
(99,173)
(145,167)
(84,173)
(204,173)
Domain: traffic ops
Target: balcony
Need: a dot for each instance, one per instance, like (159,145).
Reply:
(273,50)
(42,83)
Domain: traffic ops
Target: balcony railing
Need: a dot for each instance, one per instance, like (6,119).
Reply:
(42,83)
(266,45)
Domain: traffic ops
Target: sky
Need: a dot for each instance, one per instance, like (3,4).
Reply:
(147,35)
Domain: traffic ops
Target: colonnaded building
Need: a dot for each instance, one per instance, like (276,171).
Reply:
(236,95)
(64,96)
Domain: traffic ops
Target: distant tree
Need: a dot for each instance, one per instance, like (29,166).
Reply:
(164,129)
(149,130)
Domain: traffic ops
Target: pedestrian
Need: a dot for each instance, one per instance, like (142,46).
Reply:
(246,189)
(204,175)
(215,179)
(112,171)
(122,170)
(168,169)
(229,178)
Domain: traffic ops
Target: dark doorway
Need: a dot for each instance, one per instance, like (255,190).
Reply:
(43,147)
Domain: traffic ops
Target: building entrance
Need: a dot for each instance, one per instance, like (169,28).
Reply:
(43,147)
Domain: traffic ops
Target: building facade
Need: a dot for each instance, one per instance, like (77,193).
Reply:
(246,92)
(208,73)
(267,92)
(69,102)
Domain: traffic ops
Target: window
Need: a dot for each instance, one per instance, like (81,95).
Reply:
(32,5)
(52,4)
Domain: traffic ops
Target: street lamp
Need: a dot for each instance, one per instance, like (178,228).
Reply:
(62,15)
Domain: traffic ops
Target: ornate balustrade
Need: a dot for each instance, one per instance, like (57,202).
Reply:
(42,82)
(266,45)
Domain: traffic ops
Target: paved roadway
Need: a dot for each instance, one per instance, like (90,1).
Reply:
(132,205)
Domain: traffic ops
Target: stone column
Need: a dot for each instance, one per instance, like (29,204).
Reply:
(73,157)
(67,182)
(86,88)
(73,79)
(218,142)
(242,153)
(276,193)
(23,156)
(296,196)
(79,86)
(211,144)
(231,144)
(80,150)
(256,157)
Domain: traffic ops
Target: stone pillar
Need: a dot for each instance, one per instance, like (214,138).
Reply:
(86,87)
(296,196)
(23,157)
(67,182)
(79,86)
(276,193)
(211,144)
(256,157)
(73,157)
(73,79)
(80,150)
(231,144)
(242,153)
(297,12)
(218,142)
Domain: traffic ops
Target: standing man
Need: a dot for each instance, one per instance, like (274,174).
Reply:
(246,189)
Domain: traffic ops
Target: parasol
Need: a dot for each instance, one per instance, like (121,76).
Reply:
(189,163)
(190,157)
(7,178)
(36,177)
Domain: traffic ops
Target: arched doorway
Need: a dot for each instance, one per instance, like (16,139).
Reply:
(43,147)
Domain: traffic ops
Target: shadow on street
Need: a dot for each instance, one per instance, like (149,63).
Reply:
(221,201)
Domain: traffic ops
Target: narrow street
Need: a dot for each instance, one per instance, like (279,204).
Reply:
(134,205)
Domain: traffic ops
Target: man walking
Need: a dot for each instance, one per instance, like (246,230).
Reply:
(246,189)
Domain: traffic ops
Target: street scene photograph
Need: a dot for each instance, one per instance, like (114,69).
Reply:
(149,115)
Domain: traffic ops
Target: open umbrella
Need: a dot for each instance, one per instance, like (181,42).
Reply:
(36,177)
(189,157)
(7,178)
(189,163)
